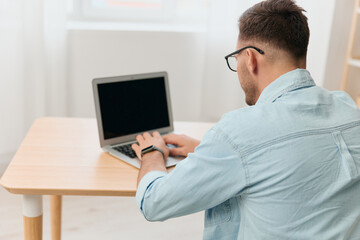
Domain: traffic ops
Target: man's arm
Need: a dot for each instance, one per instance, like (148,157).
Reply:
(152,161)
(206,178)
(185,144)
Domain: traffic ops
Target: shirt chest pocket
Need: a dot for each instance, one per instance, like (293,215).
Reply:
(218,214)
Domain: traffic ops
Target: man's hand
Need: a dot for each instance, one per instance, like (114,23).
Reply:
(152,161)
(147,140)
(185,144)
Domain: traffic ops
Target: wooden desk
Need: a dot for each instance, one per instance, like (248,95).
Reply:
(62,156)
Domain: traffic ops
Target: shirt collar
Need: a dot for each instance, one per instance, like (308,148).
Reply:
(296,79)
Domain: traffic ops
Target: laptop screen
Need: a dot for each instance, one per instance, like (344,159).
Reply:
(135,106)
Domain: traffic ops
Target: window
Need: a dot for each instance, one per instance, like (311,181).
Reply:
(173,12)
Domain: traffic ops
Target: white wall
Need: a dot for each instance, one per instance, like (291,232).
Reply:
(110,53)
(320,17)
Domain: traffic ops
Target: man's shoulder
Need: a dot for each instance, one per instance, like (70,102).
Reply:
(247,117)
(248,125)
(238,116)
(317,109)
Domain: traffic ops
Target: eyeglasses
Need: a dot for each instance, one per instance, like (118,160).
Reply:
(231,60)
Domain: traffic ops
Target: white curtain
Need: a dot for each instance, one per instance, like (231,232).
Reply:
(33,66)
(221,88)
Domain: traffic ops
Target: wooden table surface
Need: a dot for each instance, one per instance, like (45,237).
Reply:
(62,156)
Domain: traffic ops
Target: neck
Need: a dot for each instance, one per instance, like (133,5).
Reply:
(273,73)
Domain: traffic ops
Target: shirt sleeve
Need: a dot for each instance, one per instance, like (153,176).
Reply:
(212,174)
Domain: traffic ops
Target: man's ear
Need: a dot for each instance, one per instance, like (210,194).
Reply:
(251,62)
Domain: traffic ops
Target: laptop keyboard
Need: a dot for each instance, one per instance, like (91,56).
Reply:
(126,149)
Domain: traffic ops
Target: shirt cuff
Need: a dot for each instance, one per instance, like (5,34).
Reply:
(145,183)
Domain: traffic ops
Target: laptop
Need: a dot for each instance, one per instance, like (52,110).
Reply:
(130,105)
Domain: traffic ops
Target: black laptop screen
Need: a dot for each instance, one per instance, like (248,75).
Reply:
(129,107)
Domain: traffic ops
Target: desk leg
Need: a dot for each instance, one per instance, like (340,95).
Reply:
(33,215)
(55,205)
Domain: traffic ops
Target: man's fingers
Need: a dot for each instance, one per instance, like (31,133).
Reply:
(177,152)
(156,134)
(171,139)
(135,147)
(137,150)
(139,138)
(146,135)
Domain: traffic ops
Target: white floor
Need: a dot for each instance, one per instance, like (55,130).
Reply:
(94,218)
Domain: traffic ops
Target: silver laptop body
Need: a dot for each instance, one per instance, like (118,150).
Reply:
(130,105)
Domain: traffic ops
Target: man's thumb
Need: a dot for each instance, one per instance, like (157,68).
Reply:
(177,151)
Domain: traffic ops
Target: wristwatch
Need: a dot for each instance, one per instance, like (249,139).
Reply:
(151,149)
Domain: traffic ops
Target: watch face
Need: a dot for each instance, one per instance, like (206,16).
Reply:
(147,149)
(150,149)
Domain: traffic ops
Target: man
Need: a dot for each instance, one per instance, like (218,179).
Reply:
(286,167)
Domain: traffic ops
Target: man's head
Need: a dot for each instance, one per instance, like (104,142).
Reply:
(280,29)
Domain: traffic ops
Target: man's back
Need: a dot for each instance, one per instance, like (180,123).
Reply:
(286,168)
(300,146)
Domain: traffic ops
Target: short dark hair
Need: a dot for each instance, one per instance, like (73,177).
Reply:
(280,23)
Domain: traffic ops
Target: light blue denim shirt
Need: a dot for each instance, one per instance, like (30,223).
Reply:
(285,168)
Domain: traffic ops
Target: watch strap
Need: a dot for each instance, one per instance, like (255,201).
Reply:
(151,149)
